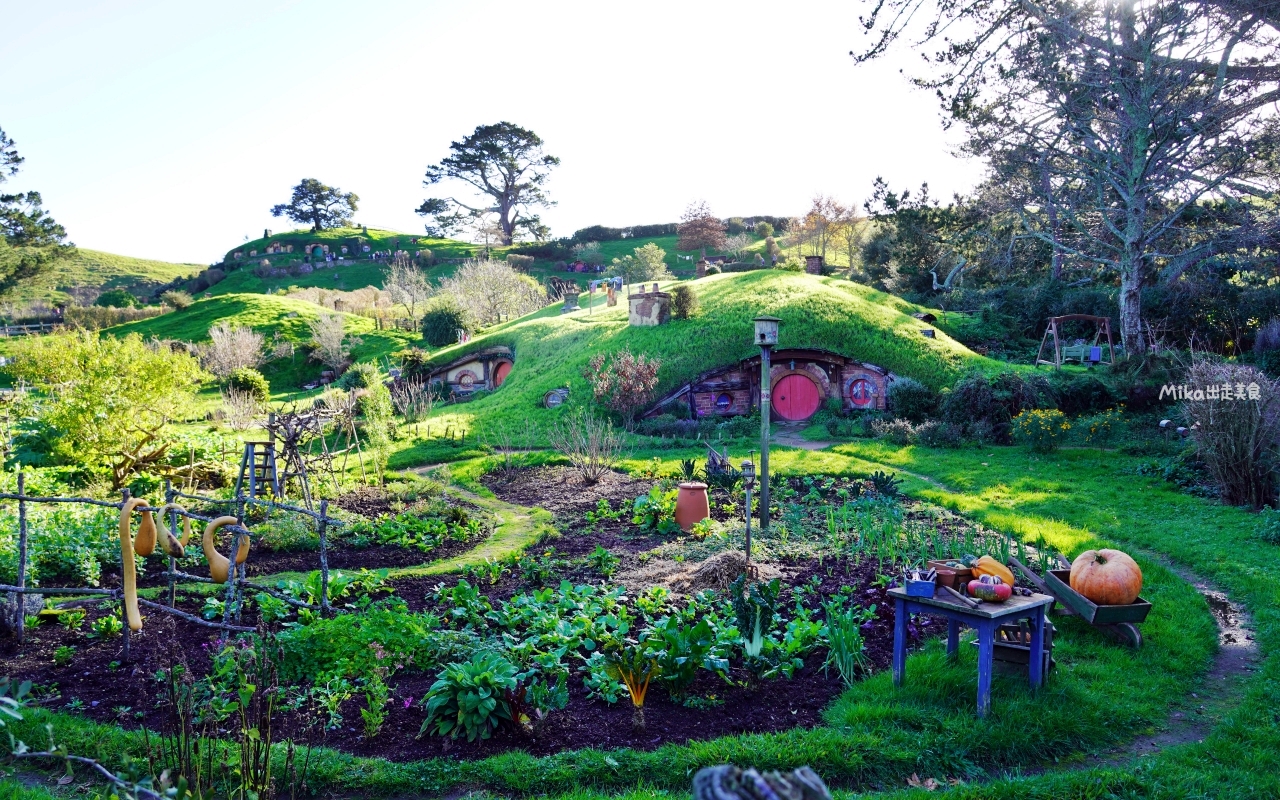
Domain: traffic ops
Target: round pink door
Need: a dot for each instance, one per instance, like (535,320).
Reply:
(500,374)
(796,397)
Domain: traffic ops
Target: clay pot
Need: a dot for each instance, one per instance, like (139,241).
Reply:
(692,505)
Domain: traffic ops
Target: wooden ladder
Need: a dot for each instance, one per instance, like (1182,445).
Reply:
(258,468)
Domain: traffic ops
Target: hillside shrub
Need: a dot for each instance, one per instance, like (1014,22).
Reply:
(251,382)
(984,407)
(230,348)
(92,318)
(791,264)
(1042,429)
(329,343)
(936,433)
(444,318)
(360,376)
(1268,527)
(684,301)
(910,399)
(1237,438)
(713,269)
(177,299)
(591,444)
(116,298)
(624,385)
(899,431)
(519,263)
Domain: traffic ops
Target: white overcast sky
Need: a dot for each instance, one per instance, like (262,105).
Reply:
(168,129)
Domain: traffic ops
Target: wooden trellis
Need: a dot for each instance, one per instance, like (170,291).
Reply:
(237,582)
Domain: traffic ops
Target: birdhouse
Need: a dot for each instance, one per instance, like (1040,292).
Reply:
(766,330)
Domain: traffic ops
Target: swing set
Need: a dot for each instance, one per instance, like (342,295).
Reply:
(1090,354)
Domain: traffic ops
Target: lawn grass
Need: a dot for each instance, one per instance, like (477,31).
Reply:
(877,736)
(270,315)
(94,268)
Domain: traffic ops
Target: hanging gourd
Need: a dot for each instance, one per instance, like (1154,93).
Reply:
(220,565)
(128,547)
(172,545)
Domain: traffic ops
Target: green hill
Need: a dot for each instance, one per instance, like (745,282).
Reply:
(830,313)
(270,316)
(95,269)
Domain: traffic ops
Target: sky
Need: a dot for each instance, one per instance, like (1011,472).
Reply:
(168,130)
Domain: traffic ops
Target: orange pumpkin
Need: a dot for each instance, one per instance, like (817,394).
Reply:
(1107,577)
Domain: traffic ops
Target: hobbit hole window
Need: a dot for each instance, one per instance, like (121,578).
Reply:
(723,402)
(860,393)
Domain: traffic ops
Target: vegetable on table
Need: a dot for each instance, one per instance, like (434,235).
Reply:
(987,565)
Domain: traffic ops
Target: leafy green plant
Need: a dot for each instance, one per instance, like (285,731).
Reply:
(72,618)
(602,561)
(680,650)
(886,484)
(63,655)
(689,469)
(105,627)
(656,511)
(604,512)
(470,697)
(1268,528)
(653,601)
(213,608)
(754,605)
(600,680)
(1042,429)
(846,648)
(490,571)
(631,664)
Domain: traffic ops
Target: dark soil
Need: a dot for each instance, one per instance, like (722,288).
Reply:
(127,695)
(560,489)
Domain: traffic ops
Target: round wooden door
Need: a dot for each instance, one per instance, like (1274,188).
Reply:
(500,374)
(796,397)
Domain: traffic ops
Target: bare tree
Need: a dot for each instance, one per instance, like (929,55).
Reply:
(407,285)
(491,290)
(240,409)
(699,229)
(232,347)
(330,344)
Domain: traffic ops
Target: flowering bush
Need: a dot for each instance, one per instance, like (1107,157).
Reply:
(1043,429)
(1098,428)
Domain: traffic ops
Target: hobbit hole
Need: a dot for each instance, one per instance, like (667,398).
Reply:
(484,369)
(801,380)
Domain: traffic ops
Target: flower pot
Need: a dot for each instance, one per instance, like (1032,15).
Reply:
(692,505)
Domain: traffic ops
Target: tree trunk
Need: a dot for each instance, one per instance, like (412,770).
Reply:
(1131,307)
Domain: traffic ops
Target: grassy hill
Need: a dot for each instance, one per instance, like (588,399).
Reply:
(270,316)
(830,313)
(94,268)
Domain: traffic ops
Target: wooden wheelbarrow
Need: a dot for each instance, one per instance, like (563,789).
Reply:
(1118,622)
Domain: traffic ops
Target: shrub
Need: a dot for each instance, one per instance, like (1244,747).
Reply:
(1235,438)
(1042,429)
(519,263)
(684,301)
(251,382)
(792,264)
(177,299)
(116,298)
(1268,528)
(983,408)
(713,269)
(624,385)
(591,444)
(471,697)
(330,344)
(361,376)
(899,431)
(444,318)
(1081,394)
(936,433)
(910,399)
(1268,337)
(764,230)
(231,347)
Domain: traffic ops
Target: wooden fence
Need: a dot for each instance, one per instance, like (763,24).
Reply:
(237,583)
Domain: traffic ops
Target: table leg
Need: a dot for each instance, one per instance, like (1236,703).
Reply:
(1036,661)
(953,638)
(986,648)
(899,641)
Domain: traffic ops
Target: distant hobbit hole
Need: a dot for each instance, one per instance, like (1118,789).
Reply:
(483,369)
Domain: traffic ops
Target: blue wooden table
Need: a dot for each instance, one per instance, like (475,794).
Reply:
(984,619)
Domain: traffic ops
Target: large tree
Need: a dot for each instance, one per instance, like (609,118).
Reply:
(1113,127)
(318,205)
(507,166)
(30,240)
(699,229)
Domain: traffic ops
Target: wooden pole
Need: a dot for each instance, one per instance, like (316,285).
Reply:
(322,527)
(169,496)
(20,623)
(126,633)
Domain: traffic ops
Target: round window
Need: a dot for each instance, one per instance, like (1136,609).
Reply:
(861,393)
(723,402)
(466,380)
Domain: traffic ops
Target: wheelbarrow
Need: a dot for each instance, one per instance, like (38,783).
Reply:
(1118,622)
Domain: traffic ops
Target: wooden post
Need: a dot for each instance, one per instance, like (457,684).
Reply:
(322,528)
(169,496)
(126,632)
(20,623)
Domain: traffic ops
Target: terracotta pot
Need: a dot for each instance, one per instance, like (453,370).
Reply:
(692,505)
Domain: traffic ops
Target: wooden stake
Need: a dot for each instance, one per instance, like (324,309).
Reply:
(126,632)
(20,624)
(169,496)
(322,527)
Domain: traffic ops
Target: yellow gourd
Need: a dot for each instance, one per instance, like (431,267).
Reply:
(175,546)
(220,565)
(144,544)
(989,566)
(127,565)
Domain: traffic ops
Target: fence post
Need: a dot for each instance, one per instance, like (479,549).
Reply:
(169,497)
(322,527)
(125,632)
(20,624)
